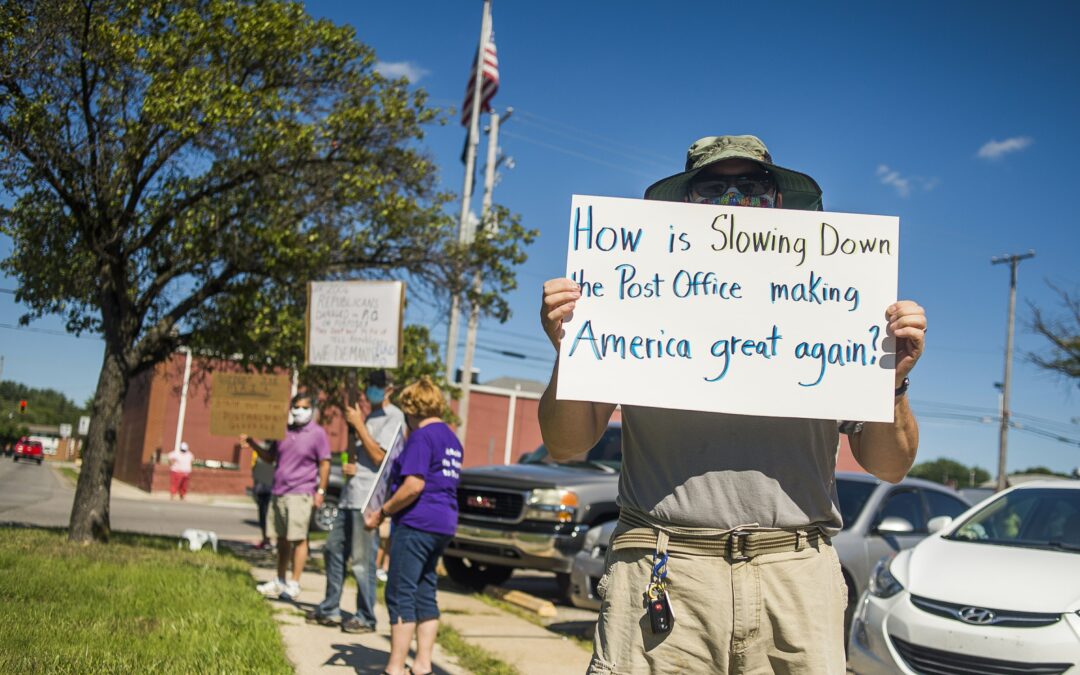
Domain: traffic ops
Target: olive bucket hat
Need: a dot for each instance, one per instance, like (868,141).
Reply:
(800,191)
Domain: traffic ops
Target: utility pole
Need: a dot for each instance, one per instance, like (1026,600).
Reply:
(474,311)
(1003,440)
(466,192)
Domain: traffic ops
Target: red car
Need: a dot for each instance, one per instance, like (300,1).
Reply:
(28,449)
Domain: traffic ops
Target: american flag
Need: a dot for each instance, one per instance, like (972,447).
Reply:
(490,83)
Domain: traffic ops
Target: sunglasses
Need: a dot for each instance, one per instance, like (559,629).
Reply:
(753,185)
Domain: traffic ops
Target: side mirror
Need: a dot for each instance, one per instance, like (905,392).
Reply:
(894,525)
(938,523)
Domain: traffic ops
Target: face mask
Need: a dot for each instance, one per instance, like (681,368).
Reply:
(375,395)
(301,416)
(735,198)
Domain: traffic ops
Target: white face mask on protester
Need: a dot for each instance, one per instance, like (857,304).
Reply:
(301,416)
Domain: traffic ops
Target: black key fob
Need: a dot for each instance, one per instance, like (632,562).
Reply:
(660,617)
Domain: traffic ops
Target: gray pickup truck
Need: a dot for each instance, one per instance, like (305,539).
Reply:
(532,515)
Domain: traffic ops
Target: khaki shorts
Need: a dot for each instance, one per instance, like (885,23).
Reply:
(776,613)
(290,517)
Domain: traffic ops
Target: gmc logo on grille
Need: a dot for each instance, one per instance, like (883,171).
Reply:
(480,501)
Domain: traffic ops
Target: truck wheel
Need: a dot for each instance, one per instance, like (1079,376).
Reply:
(476,575)
(562,582)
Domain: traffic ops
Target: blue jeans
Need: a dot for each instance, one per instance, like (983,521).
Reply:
(410,584)
(349,540)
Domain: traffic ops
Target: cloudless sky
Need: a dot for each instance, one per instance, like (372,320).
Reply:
(887,106)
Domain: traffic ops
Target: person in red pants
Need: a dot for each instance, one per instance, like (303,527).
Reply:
(180,471)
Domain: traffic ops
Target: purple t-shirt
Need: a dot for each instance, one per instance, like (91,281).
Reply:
(298,457)
(434,454)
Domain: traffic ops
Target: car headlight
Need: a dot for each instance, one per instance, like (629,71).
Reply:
(882,583)
(551,504)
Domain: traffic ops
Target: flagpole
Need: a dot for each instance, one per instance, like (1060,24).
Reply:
(474,311)
(466,192)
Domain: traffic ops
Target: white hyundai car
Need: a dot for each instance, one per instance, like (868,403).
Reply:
(996,591)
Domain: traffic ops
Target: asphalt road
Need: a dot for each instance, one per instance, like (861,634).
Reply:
(39,495)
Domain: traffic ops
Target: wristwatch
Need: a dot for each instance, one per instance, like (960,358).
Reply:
(384,512)
(321,491)
(902,389)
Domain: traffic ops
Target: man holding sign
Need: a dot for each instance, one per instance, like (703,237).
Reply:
(721,560)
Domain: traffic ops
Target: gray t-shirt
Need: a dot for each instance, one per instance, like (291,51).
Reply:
(698,469)
(382,424)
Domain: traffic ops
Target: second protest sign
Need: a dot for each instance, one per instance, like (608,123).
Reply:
(730,309)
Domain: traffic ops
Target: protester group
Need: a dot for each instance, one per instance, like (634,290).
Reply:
(418,512)
(722,558)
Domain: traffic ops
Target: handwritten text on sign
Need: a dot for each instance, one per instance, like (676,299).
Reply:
(355,323)
(249,403)
(730,309)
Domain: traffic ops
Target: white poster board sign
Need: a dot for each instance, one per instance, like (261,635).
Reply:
(84,425)
(380,487)
(730,309)
(65,431)
(355,324)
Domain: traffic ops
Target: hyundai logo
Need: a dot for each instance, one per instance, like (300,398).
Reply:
(977,615)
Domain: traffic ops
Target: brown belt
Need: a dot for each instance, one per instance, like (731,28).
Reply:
(735,545)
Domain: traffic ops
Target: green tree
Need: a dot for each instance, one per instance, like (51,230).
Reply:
(43,406)
(946,470)
(178,170)
(1063,333)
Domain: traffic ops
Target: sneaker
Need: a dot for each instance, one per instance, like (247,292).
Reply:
(291,590)
(355,625)
(381,575)
(272,588)
(312,616)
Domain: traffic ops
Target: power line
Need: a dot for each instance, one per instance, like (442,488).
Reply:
(47,331)
(579,155)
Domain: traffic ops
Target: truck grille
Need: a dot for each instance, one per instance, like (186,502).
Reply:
(490,503)
(925,660)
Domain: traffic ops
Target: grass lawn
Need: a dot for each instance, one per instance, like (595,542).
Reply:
(135,605)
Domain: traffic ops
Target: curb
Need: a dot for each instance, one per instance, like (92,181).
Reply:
(540,607)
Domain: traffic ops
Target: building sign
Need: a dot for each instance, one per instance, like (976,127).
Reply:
(355,324)
(730,309)
(249,403)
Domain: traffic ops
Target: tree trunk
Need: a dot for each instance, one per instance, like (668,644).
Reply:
(90,511)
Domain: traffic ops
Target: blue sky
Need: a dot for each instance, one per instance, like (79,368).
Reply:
(957,117)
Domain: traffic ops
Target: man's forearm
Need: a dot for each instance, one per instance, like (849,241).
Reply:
(373,449)
(887,450)
(570,428)
(324,474)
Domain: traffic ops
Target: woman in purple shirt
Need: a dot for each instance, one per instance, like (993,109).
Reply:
(423,506)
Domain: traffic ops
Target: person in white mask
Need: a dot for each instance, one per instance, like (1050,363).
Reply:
(301,473)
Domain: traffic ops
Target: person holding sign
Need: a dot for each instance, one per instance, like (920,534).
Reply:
(376,422)
(302,470)
(423,506)
(721,561)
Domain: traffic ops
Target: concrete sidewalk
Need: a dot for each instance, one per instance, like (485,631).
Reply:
(528,647)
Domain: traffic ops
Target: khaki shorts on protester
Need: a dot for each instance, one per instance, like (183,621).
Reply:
(291,517)
(776,613)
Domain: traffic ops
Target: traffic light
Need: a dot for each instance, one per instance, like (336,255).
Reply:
(22,407)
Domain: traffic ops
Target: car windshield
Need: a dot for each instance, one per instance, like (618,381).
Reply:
(853,495)
(606,455)
(1047,518)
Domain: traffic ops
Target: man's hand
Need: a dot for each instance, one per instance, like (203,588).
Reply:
(373,519)
(907,323)
(348,469)
(355,415)
(319,499)
(557,308)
